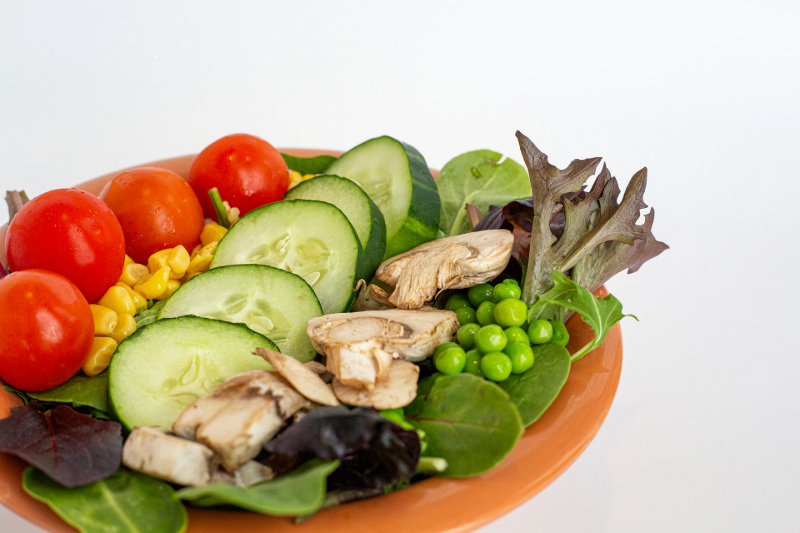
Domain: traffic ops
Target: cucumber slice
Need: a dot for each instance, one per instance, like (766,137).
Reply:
(396,177)
(359,209)
(311,239)
(162,368)
(267,300)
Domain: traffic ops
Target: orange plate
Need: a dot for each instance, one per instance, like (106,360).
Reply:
(436,505)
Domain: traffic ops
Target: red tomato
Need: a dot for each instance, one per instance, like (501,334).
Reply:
(248,172)
(72,233)
(46,329)
(157,210)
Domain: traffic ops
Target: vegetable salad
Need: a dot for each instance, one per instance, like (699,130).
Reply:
(286,334)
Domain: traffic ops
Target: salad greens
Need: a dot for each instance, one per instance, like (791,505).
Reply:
(80,391)
(470,422)
(298,493)
(477,178)
(147,316)
(600,313)
(308,165)
(126,502)
(72,448)
(535,389)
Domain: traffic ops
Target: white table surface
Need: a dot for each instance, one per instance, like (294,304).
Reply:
(704,429)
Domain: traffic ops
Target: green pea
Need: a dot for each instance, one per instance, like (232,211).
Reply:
(466,335)
(496,366)
(511,281)
(560,333)
(521,355)
(451,360)
(490,338)
(540,331)
(439,349)
(457,300)
(510,312)
(517,334)
(473,365)
(480,293)
(504,291)
(466,315)
(485,313)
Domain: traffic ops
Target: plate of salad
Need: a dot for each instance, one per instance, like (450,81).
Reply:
(307,339)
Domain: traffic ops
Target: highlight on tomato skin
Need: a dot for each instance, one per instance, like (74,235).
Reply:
(156,208)
(70,232)
(248,172)
(46,338)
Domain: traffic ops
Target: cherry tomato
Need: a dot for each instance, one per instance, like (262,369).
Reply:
(156,208)
(72,233)
(247,171)
(46,329)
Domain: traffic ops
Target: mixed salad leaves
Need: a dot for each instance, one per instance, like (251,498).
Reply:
(422,331)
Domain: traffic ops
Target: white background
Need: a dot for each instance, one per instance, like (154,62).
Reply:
(703,435)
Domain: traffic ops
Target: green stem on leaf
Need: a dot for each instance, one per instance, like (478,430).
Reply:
(222,215)
(431,465)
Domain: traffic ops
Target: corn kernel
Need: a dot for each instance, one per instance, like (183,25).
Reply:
(187,277)
(118,300)
(202,260)
(178,262)
(159,260)
(105,320)
(133,274)
(196,250)
(212,232)
(135,296)
(172,286)
(295,177)
(308,177)
(126,326)
(155,285)
(128,261)
(233,215)
(103,349)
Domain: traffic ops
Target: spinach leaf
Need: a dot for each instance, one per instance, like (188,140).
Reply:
(78,391)
(148,316)
(470,422)
(600,313)
(298,493)
(477,178)
(534,390)
(308,165)
(127,502)
(72,448)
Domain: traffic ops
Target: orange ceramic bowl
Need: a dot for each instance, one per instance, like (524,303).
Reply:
(436,505)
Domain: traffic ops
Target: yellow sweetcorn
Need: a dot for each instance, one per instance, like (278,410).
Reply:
(103,349)
(187,277)
(294,177)
(118,300)
(128,261)
(135,296)
(172,286)
(211,233)
(125,327)
(196,250)
(159,260)
(105,320)
(178,262)
(202,260)
(133,274)
(155,285)
(308,177)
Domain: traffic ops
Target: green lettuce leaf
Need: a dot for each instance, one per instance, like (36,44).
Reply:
(477,178)
(308,165)
(79,391)
(600,313)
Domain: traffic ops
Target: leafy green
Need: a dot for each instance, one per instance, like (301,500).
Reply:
(308,165)
(148,316)
(534,390)
(127,502)
(600,236)
(478,179)
(78,391)
(470,422)
(298,493)
(600,313)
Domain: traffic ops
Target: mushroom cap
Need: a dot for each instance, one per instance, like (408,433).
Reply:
(397,389)
(301,377)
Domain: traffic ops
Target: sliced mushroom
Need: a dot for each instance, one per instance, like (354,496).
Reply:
(361,346)
(156,453)
(457,262)
(302,378)
(321,370)
(397,389)
(372,298)
(243,413)
(250,473)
